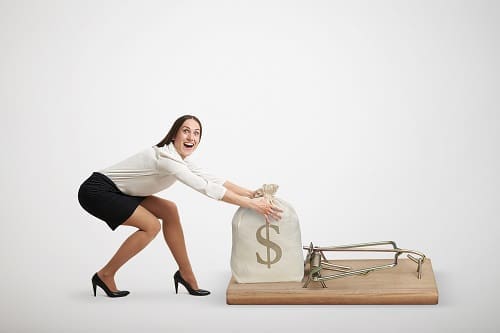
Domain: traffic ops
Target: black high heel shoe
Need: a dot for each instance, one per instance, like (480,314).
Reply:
(96,281)
(198,292)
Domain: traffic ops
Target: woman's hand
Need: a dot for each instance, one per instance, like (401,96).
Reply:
(264,207)
(261,205)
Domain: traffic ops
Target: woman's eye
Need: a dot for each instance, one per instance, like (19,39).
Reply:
(197,133)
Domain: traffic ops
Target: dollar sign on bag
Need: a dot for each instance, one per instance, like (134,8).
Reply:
(269,245)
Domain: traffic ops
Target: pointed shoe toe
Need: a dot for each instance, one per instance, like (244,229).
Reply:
(200,292)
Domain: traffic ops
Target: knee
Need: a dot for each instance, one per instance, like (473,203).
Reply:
(168,210)
(156,228)
(153,228)
(170,206)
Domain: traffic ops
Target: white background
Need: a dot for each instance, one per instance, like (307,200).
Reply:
(378,119)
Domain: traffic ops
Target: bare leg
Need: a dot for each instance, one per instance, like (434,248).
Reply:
(148,226)
(172,232)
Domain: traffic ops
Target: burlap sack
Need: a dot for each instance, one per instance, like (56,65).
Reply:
(267,252)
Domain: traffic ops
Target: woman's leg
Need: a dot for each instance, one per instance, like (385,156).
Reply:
(148,226)
(172,232)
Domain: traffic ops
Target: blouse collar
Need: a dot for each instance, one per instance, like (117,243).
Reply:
(170,151)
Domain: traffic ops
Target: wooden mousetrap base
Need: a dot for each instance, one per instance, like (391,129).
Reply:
(396,285)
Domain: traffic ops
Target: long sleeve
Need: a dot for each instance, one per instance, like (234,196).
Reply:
(203,174)
(169,162)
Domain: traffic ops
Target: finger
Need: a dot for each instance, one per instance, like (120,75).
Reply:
(277,209)
(274,216)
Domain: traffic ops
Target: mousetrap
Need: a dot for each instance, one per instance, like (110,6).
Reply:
(406,278)
(316,261)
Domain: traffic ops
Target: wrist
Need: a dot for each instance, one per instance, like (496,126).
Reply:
(248,202)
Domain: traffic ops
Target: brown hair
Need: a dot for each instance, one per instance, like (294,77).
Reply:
(175,127)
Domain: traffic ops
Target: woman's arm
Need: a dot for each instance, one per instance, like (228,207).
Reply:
(238,189)
(260,205)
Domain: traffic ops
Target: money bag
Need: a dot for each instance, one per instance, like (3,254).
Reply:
(266,252)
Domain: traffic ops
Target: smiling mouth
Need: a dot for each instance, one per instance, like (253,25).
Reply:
(188,145)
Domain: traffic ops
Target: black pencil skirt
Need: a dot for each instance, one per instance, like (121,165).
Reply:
(100,197)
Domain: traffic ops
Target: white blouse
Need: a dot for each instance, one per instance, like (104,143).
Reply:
(157,168)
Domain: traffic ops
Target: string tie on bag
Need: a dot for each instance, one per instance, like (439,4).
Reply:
(267,191)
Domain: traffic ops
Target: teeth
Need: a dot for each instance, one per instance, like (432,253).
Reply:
(189,145)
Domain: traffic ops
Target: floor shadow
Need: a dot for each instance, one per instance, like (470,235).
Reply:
(81,295)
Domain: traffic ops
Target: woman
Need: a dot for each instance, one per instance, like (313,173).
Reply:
(123,195)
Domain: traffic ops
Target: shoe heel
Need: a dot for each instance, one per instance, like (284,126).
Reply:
(176,283)
(94,286)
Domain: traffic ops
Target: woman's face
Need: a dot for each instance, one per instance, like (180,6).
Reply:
(187,138)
